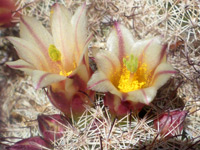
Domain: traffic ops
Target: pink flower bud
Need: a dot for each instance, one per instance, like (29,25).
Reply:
(33,143)
(52,127)
(170,123)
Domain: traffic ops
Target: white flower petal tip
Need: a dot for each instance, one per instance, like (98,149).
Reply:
(28,52)
(162,74)
(21,65)
(34,32)
(79,22)
(120,41)
(43,79)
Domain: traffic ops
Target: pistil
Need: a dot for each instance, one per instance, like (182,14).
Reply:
(133,77)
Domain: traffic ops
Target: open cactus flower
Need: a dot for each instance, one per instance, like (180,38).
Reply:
(57,60)
(130,72)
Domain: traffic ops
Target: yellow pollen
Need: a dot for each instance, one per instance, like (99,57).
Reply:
(133,81)
(64,73)
(51,12)
(54,53)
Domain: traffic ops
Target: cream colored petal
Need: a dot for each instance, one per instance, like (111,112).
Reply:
(100,83)
(21,65)
(34,32)
(83,72)
(28,52)
(85,52)
(84,59)
(107,62)
(120,41)
(162,74)
(94,51)
(150,51)
(70,88)
(79,23)
(143,96)
(63,36)
(42,79)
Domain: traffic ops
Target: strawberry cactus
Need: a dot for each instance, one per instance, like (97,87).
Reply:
(57,60)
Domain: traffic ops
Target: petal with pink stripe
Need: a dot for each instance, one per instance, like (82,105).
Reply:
(28,52)
(107,62)
(162,74)
(34,32)
(150,52)
(144,96)
(120,41)
(99,82)
(21,65)
(63,36)
(84,59)
(79,23)
(43,79)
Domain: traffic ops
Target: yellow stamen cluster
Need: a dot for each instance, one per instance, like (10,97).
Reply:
(133,81)
(54,53)
(64,73)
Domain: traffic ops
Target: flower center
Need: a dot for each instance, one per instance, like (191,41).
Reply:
(55,56)
(131,63)
(133,76)
(64,73)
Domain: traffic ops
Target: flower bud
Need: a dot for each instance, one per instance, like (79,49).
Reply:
(170,123)
(52,127)
(33,143)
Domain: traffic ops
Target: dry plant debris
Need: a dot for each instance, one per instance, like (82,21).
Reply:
(177,20)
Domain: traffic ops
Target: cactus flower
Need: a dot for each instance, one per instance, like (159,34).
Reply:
(33,143)
(130,72)
(57,60)
(170,123)
(7,12)
(52,127)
